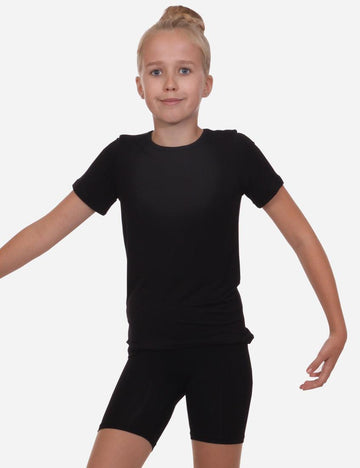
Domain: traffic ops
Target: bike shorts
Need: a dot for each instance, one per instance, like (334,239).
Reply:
(215,379)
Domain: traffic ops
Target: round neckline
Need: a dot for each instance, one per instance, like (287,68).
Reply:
(195,143)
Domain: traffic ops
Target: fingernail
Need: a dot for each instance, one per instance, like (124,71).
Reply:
(309,370)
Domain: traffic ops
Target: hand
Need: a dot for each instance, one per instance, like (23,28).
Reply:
(328,354)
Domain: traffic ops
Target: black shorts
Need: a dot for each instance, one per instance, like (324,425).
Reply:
(216,380)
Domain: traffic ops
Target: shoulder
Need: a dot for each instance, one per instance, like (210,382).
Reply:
(132,139)
(130,143)
(122,145)
(232,135)
(233,140)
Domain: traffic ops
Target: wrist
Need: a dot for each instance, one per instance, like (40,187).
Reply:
(340,333)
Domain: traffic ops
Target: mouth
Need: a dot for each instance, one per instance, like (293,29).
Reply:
(171,101)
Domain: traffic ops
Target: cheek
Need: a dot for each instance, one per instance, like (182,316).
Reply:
(196,92)
(147,93)
(195,87)
(151,89)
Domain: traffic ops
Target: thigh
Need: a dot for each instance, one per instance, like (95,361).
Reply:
(207,455)
(114,448)
(218,393)
(145,395)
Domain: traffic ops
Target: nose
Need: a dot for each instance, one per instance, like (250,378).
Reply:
(170,83)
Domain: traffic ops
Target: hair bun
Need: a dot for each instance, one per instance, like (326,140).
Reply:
(180,14)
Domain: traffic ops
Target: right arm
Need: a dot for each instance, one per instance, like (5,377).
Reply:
(40,236)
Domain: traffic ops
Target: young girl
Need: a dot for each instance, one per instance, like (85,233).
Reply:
(180,189)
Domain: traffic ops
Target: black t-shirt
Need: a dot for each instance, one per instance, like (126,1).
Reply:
(180,211)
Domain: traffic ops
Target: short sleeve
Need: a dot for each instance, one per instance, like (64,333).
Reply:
(260,180)
(97,187)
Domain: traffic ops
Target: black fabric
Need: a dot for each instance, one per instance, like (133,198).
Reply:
(216,380)
(180,212)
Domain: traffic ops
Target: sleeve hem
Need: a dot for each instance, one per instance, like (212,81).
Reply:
(86,201)
(270,195)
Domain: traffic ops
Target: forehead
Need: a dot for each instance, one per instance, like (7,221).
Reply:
(170,46)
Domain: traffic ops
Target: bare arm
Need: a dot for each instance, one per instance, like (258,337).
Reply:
(43,234)
(293,225)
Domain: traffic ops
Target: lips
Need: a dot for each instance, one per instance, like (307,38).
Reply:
(171,102)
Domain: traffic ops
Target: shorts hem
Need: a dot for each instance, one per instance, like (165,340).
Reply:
(123,427)
(216,440)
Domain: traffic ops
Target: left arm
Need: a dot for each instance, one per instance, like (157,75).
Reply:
(297,231)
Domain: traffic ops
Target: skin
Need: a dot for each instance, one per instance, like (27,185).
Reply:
(174,125)
(297,231)
(177,126)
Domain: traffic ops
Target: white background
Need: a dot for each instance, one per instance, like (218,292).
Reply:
(286,74)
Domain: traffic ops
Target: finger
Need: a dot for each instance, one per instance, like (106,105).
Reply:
(315,383)
(311,384)
(321,380)
(314,365)
(326,370)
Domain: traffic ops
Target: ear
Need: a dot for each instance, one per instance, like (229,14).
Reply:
(208,86)
(139,87)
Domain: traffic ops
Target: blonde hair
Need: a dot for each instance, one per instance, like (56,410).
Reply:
(186,19)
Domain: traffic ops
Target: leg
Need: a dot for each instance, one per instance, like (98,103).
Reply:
(218,398)
(138,411)
(207,455)
(114,448)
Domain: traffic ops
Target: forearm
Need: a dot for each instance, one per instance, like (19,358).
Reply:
(44,233)
(318,270)
(26,245)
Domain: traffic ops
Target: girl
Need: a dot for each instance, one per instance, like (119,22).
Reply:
(180,188)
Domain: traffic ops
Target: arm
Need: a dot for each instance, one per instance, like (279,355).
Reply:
(297,231)
(41,235)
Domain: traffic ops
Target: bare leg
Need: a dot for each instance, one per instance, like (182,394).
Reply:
(114,448)
(208,455)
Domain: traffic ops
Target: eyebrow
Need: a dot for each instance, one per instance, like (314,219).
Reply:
(159,62)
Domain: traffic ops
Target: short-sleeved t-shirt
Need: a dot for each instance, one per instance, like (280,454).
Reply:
(180,212)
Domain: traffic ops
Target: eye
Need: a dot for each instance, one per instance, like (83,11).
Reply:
(157,70)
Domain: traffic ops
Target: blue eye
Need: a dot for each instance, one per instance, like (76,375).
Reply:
(157,70)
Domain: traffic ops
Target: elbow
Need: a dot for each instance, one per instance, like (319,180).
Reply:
(305,241)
